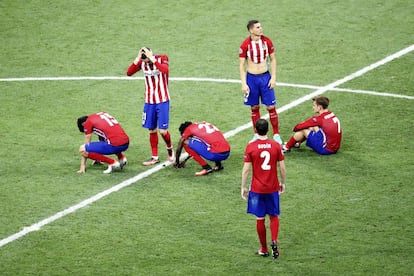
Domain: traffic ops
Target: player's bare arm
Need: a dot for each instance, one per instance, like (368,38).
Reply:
(272,82)
(245,175)
(244,86)
(282,172)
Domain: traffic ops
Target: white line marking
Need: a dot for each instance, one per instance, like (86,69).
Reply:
(37,226)
(305,86)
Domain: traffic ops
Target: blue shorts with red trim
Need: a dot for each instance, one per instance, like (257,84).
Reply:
(156,115)
(259,90)
(202,149)
(262,204)
(105,148)
(316,141)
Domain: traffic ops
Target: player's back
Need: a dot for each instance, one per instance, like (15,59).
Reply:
(264,155)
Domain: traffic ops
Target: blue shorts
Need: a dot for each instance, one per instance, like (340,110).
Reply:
(202,149)
(259,89)
(105,148)
(316,141)
(156,115)
(262,204)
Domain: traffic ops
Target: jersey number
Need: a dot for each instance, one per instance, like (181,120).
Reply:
(209,127)
(336,121)
(266,158)
(108,118)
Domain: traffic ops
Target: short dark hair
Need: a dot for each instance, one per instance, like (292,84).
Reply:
(262,127)
(81,121)
(322,101)
(183,126)
(251,23)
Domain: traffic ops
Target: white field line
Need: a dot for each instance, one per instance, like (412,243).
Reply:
(305,86)
(37,226)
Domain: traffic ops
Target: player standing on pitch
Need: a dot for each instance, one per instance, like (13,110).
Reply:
(322,132)
(257,83)
(155,116)
(263,156)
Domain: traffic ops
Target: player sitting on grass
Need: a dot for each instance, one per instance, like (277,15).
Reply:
(322,132)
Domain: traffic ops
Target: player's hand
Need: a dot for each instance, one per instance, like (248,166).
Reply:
(245,88)
(179,165)
(282,188)
(272,83)
(244,193)
(81,170)
(148,52)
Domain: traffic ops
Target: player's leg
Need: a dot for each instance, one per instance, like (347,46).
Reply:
(149,121)
(163,111)
(268,97)
(256,206)
(252,99)
(273,209)
(316,141)
(97,151)
(217,158)
(296,139)
(195,148)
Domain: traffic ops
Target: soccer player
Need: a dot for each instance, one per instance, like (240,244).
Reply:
(202,140)
(322,132)
(155,116)
(112,140)
(258,83)
(263,156)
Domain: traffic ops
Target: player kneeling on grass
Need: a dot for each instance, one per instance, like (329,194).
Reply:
(202,141)
(112,140)
(322,132)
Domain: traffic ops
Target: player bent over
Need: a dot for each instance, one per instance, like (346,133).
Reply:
(202,141)
(112,140)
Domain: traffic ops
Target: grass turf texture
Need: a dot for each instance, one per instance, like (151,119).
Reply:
(349,213)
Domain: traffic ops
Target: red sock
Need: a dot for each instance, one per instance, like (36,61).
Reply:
(154,143)
(195,155)
(261,232)
(291,142)
(255,116)
(167,139)
(274,227)
(100,157)
(274,120)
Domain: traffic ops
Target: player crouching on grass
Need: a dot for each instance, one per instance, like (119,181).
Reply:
(202,140)
(112,140)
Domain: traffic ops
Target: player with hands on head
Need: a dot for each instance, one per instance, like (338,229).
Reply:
(264,157)
(322,132)
(257,83)
(202,140)
(112,140)
(155,116)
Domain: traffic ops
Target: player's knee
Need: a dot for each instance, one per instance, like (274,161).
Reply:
(82,151)
(271,108)
(163,131)
(255,108)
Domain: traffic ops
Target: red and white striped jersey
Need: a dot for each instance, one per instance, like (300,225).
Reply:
(156,79)
(256,51)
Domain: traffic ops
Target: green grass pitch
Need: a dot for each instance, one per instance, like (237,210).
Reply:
(347,214)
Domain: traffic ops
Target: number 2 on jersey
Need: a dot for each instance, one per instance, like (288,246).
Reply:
(266,158)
